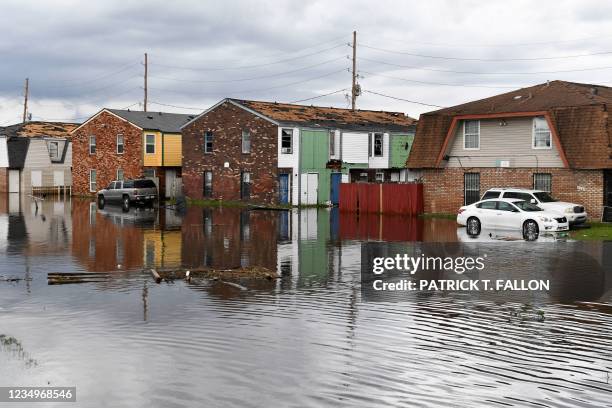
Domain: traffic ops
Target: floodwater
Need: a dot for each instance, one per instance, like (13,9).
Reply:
(307,339)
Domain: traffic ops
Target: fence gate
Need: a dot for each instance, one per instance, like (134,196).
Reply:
(471,188)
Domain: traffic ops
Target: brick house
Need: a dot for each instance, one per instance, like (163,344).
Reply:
(116,144)
(553,136)
(291,154)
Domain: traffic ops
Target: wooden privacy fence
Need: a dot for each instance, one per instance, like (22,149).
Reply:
(388,198)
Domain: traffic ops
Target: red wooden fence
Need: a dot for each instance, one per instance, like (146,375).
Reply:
(388,198)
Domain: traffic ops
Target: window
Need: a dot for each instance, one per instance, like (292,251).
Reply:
(208,178)
(120,144)
(491,194)
(471,135)
(54,150)
(92,144)
(504,206)
(380,176)
(471,187)
(520,196)
(120,174)
(487,205)
(92,181)
(542,181)
(245,185)
(378,144)
(332,142)
(149,173)
(246,142)
(541,133)
(128,184)
(287,141)
(208,142)
(150,144)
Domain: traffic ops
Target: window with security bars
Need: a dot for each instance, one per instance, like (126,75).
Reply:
(542,181)
(471,188)
(471,134)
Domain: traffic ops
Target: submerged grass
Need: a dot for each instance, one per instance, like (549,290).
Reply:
(593,231)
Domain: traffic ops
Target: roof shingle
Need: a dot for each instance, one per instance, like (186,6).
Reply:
(162,121)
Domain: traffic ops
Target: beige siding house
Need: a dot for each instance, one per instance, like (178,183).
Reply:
(48,165)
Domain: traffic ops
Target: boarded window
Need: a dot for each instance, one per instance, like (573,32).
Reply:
(378,144)
(541,133)
(287,141)
(542,181)
(208,142)
(246,142)
(92,144)
(471,134)
(120,145)
(208,180)
(471,187)
(150,144)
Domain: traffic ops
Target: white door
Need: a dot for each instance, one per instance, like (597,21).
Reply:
(36,177)
(310,188)
(13,181)
(170,183)
(58,178)
(308,223)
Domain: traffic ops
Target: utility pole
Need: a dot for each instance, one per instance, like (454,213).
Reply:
(25,101)
(354,87)
(146,73)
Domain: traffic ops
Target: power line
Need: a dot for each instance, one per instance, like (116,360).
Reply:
(249,66)
(251,78)
(176,106)
(482,72)
(320,96)
(440,83)
(484,59)
(404,100)
(87,81)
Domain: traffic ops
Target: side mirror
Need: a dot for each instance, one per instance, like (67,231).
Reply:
(533,201)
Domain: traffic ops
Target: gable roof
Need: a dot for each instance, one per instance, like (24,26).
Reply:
(162,121)
(287,114)
(578,113)
(17,151)
(40,129)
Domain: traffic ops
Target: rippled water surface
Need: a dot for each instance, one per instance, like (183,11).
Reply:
(307,339)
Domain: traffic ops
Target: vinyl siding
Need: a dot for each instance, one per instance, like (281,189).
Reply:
(511,142)
(380,162)
(354,147)
(3,153)
(152,160)
(38,159)
(400,149)
(173,150)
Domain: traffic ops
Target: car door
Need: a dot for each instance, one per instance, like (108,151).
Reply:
(486,212)
(507,216)
(110,194)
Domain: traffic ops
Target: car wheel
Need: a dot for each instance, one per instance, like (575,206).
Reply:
(531,231)
(126,202)
(473,226)
(101,202)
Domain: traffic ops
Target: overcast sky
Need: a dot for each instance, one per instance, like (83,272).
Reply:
(82,56)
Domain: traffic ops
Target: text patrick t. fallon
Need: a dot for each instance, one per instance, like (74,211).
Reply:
(499,285)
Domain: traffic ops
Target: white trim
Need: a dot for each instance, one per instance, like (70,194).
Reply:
(56,143)
(533,134)
(90,190)
(471,148)
(122,144)
(97,114)
(154,143)
(117,174)
(235,103)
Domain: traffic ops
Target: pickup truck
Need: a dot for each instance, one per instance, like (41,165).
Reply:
(127,192)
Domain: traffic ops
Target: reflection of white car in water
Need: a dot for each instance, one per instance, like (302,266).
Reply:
(574,213)
(510,214)
(505,236)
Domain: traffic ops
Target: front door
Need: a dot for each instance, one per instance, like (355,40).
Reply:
(334,194)
(310,188)
(13,181)
(283,188)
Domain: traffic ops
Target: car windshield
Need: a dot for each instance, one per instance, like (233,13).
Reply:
(527,206)
(544,197)
(144,183)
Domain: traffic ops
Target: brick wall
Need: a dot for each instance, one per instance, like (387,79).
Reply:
(443,188)
(105,161)
(3,180)
(227,123)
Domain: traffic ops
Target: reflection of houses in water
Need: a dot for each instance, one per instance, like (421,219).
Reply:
(229,238)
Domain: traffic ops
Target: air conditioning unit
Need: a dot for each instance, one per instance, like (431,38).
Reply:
(286,150)
(502,163)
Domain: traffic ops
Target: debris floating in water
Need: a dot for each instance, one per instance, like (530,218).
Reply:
(252,272)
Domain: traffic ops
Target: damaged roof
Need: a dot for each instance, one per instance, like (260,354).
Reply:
(578,112)
(40,129)
(162,121)
(329,117)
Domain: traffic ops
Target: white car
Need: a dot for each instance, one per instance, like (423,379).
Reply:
(510,213)
(574,213)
